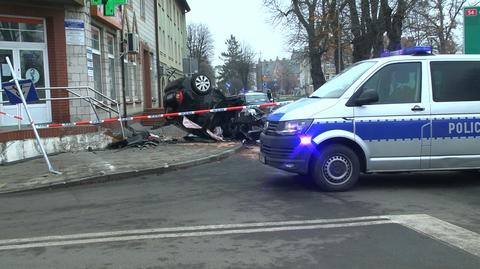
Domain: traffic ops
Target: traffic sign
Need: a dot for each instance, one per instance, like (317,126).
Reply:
(471,30)
(228,85)
(28,90)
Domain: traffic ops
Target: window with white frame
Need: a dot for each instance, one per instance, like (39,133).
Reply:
(97,59)
(22,31)
(111,66)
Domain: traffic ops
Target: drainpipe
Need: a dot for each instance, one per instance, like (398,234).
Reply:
(157,49)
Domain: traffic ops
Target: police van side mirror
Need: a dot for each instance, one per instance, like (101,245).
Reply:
(368,96)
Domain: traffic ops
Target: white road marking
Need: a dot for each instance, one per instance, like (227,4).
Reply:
(192,234)
(441,230)
(191,228)
(434,228)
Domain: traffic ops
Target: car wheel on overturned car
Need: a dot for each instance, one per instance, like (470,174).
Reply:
(336,168)
(201,84)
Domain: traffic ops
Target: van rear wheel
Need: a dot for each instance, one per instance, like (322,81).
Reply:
(337,168)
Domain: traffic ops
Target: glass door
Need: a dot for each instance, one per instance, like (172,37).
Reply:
(5,73)
(32,67)
(23,40)
(29,64)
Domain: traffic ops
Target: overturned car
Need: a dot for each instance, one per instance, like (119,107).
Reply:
(197,93)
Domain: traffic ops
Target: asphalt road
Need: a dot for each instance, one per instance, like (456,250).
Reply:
(237,213)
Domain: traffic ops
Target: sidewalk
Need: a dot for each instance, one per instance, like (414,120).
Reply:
(98,166)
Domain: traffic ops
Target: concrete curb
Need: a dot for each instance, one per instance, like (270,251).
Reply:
(122,175)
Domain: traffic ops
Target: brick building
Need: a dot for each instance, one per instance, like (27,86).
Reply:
(69,43)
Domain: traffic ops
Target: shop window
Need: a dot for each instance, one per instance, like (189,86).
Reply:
(22,30)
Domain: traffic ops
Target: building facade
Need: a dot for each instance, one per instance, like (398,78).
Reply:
(70,44)
(281,76)
(172,36)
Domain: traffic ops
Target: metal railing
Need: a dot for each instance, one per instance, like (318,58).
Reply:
(105,103)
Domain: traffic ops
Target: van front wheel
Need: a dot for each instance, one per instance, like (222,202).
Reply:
(336,168)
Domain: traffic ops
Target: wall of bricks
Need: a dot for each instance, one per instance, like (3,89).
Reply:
(68,63)
(56,49)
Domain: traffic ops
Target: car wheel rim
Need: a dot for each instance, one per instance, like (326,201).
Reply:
(337,170)
(202,83)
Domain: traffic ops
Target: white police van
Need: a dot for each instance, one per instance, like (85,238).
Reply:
(411,112)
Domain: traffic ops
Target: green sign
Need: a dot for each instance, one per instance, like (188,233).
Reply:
(109,5)
(471,16)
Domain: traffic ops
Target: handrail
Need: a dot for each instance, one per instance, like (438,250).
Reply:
(94,102)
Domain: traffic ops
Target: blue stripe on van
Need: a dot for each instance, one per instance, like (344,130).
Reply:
(403,129)
(275,116)
(391,130)
(455,127)
(375,130)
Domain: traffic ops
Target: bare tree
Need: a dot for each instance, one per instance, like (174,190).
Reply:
(370,20)
(247,59)
(199,42)
(309,23)
(434,22)
(395,13)
(200,47)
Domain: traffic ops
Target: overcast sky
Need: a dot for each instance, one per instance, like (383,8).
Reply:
(245,19)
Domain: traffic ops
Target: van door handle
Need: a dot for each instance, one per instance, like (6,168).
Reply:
(418,108)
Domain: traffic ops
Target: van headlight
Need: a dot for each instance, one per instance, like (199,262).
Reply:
(293,127)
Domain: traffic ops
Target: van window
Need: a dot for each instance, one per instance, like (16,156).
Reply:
(337,86)
(397,83)
(455,81)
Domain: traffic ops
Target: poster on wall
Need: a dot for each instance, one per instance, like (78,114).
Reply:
(90,62)
(75,32)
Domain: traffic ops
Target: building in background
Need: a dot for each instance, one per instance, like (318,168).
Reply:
(281,76)
(172,36)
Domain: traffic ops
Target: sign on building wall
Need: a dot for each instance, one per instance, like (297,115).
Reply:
(90,62)
(75,32)
(471,17)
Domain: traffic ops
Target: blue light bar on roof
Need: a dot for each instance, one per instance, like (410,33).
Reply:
(408,51)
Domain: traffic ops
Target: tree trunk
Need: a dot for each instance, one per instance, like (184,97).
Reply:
(339,64)
(361,48)
(316,71)
(394,25)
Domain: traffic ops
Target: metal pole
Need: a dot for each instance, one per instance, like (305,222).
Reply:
(121,122)
(122,66)
(32,123)
(19,113)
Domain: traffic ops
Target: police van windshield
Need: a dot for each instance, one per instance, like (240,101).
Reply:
(335,87)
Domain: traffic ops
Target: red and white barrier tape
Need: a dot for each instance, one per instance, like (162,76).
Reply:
(11,116)
(158,116)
